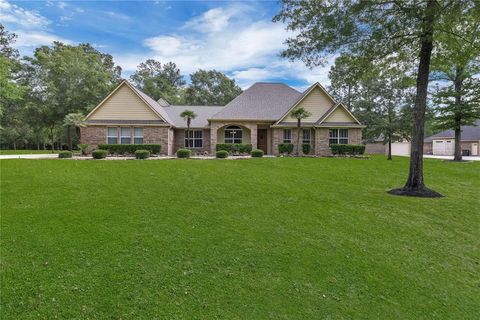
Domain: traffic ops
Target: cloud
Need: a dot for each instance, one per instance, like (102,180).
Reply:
(31,39)
(213,20)
(16,15)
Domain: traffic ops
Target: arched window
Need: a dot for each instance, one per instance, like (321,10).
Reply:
(233,134)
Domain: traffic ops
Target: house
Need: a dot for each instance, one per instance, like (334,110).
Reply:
(399,148)
(443,143)
(260,116)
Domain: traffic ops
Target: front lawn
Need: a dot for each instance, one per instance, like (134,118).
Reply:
(276,238)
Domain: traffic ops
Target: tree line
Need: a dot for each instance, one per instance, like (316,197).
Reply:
(45,97)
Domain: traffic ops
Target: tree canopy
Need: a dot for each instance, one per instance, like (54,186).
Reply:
(211,88)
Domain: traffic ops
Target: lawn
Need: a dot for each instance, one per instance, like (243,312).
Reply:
(2,152)
(277,238)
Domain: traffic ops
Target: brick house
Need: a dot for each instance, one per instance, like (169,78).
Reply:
(260,116)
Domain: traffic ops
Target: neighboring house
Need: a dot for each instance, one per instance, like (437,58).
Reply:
(259,116)
(399,148)
(443,143)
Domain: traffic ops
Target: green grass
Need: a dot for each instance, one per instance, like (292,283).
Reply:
(2,152)
(276,238)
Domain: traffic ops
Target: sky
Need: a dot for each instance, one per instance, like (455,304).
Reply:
(237,38)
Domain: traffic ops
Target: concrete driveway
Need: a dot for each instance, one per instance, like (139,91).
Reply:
(469,158)
(29,156)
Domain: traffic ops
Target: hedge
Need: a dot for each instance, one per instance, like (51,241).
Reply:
(184,153)
(257,153)
(65,154)
(306,148)
(130,148)
(99,154)
(221,154)
(234,147)
(285,148)
(347,149)
(142,154)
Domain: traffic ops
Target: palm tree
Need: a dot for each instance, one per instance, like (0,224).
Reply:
(75,120)
(188,115)
(299,114)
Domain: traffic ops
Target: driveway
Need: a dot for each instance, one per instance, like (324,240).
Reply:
(469,158)
(29,156)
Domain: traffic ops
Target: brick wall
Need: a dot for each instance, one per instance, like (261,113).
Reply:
(179,141)
(95,135)
(375,148)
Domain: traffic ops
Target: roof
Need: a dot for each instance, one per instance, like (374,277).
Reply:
(203,113)
(469,133)
(262,101)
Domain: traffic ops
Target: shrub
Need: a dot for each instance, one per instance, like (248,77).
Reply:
(234,147)
(99,154)
(306,148)
(221,154)
(65,154)
(257,153)
(83,148)
(130,148)
(347,149)
(142,154)
(184,153)
(285,148)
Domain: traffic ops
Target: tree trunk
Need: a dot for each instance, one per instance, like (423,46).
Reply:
(415,185)
(458,85)
(389,157)
(52,139)
(298,136)
(188,133)
(38,145)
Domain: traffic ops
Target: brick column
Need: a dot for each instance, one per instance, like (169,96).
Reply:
(322,136)
(253,134)
(214,126)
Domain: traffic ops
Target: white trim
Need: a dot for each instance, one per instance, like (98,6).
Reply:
(305,94)
(335,108)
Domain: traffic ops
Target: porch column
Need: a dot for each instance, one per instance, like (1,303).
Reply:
(213,136)
(253,135)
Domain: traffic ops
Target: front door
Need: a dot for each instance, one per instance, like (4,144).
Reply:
(262,140)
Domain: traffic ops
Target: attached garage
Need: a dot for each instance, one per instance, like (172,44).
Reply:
(444,147)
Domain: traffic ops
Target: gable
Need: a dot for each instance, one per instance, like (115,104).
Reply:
(317,102)
(339,115)
(123,104)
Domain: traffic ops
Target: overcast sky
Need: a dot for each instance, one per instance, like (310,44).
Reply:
(237,38)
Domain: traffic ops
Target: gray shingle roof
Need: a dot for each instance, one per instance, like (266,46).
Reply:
(203,113)
(469,133)
(262,101)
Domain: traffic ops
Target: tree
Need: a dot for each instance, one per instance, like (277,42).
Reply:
(375,30)
(159,81)
(65,79)
(188,115)
(73,120)
(455,64)
(211,88)
(299,114)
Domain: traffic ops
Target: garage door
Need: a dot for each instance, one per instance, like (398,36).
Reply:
(401,148)
(443,147)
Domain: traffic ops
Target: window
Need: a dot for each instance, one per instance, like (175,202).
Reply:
(233,134)
(125,135)
(112,135)
(338,136)
(196,139)
(287,135)
(138,135)
(307,136)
